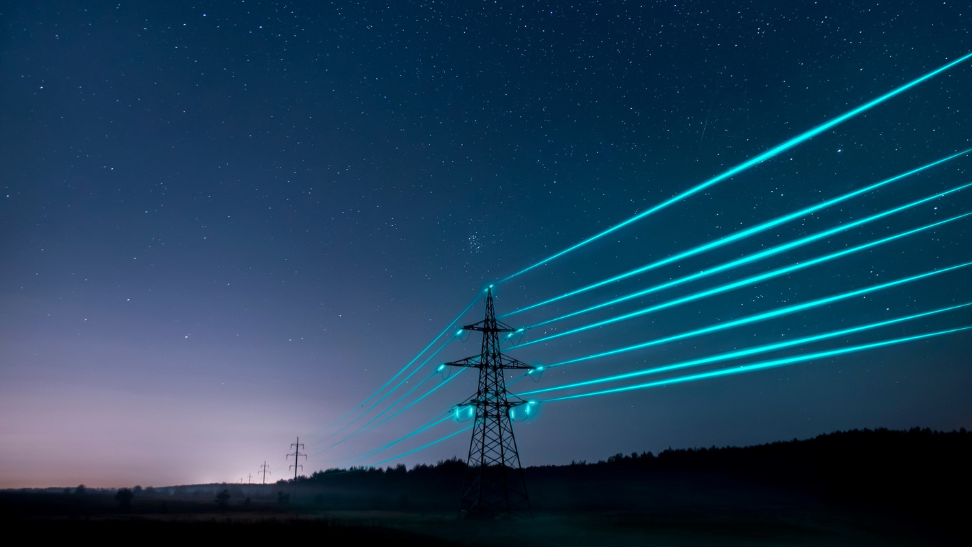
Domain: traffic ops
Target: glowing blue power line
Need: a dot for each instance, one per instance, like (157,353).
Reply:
(428,425)
(749,163)
(761,316)
(361,428)
(397,374)
(753,257)
(756,366)
(738,235)
(409,405)
(362,455)
(365,428)
(741,353)
(735,285)
(423,447)
(403,409)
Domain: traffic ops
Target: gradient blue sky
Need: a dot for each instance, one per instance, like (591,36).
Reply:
(224,224)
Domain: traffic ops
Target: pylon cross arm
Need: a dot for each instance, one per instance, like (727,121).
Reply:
(490,326)
(469,362)
(476,361)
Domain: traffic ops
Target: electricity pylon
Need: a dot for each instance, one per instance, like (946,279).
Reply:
(264,470)
(297,454)
(494,483)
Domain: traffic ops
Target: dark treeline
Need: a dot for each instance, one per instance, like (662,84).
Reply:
(918,469)
(864,482)
(881,453)
(890,467)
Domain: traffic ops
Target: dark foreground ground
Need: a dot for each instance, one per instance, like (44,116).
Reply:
(730,526)
(851,488)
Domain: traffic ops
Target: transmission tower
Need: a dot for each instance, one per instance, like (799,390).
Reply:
(297,454)
(494,483)
(264,470)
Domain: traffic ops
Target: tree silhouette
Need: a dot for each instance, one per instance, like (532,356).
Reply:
(222,499)
(124,498)
(80,489)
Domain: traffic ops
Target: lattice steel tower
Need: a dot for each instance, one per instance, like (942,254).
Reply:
(494,483)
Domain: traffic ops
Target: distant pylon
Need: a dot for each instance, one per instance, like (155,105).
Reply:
(494,483)
(297,454)
(264,471)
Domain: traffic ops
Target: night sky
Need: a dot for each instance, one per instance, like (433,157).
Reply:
(225,224)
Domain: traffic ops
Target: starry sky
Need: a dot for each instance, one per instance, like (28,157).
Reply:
(225,224)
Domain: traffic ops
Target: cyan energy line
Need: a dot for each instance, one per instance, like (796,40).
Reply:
(434,422)
(365,427)
(392,379)
(424,446)
(753,257)
(736,284)
(361,428)
(739,235)
(406,407)
(741,353)
(366,453)
(776,150)
(762,316)
(756,366)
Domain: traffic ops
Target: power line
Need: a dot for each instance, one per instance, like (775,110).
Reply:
(741,353)
(428,425)
(734,285)
(752,257)
(423,447)
(759,228)
(409,405)
(397,374)
(383,397)
(779,312)
(776,150)
(758,366)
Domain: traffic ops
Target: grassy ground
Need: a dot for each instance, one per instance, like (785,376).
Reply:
(786,525)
